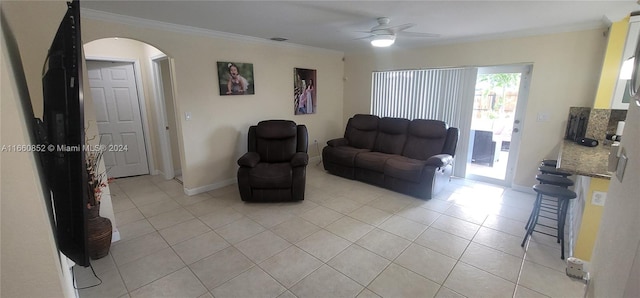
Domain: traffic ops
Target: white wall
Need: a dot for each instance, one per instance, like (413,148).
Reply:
(614,272)
(566,69)
(216,135)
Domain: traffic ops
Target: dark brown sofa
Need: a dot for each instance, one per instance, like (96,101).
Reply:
(274,169)
(412,157)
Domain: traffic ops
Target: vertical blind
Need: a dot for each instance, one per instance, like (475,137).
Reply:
(425,94)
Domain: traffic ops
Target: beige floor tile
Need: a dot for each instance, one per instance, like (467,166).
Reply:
(514,213)
(546,256)
(170,218)
(445,292)
(436,205)
(103,264)
(506,225)
(224,191)
(149,268)
(428,263)
(221,217)
(443,242)
(359,264)
(467,213)
(493,261)
(366,293)
(321,216)
(207,206)
(153,209)
(182,283)
(384,243)
(135,229)
(111,286)
(270,217)
(221,267)
(500,241)
(419,214)
(131,250)
(349,228)
(122,204)
(396,281)
(390,204)
(290,266)
(370,215)
(187,200)
(295,229)
(326,282)
(148,197)
(252,283)
(128,216)
(297,207)
(341,204)
(287,294)
(323,245)
(523,292)
(199,247)
(403,227)
(456,226)
(183,231)
(239,230)
(262,246)
(473,282)
(550,282)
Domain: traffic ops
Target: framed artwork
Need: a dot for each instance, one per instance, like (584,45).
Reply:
(235,78)
(305,100)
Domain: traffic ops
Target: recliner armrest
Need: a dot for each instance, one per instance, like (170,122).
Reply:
(249,159)
(440,160)
(300,159)
(338,142)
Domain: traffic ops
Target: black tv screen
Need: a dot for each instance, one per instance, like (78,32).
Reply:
(62,131)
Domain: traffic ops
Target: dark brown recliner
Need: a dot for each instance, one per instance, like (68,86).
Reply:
(274,169)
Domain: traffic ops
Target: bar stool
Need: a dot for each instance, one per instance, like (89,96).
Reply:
(549,163)
(550,205)
(563,195)
(553,171)
(554,180)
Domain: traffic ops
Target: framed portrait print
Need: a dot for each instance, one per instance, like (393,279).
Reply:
(305,100)
(235,78)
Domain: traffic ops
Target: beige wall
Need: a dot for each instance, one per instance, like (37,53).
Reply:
(216,135)
(30,263)
(566,69)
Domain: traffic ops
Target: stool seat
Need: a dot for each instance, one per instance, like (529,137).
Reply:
(554,191)
(549,163)
(553,171)
(554,180)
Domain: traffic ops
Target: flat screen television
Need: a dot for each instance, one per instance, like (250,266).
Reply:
(62,133)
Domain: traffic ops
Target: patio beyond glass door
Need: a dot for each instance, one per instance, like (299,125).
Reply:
(496,120)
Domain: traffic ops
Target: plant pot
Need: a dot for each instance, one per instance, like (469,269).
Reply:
(99,234)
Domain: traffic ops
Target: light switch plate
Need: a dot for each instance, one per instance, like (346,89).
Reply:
(622,164)
(598,198)
(187,116)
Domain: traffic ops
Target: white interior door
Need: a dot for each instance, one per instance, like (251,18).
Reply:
(115,96)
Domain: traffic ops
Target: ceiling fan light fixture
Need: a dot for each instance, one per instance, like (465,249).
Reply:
(383,40)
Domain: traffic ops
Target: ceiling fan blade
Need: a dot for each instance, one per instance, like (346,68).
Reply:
(399,28)
(417,34)
(365,37)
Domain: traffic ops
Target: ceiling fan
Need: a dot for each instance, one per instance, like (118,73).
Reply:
(384,35)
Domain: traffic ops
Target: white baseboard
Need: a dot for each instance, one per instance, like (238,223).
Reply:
(522,188)
(115,235)
(201,189)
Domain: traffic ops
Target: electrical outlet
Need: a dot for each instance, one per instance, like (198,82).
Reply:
(315,141)
(598,198)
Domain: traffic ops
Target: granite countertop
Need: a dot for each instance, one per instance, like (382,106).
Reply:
(585,161)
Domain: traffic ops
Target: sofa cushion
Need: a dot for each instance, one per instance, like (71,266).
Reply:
(373,161)
(404,168)
(426,138)
(361,131)
(276,140)
(392,134)
(271,175)
(344,155)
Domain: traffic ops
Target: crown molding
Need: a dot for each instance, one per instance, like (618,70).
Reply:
(183,29)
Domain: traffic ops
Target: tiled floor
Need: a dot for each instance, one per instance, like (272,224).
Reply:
(347,239)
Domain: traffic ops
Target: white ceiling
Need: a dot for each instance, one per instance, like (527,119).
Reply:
(335,24)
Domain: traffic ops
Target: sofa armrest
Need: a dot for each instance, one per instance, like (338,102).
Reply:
(249,159)
(440,160)
(300,159)
(338,142)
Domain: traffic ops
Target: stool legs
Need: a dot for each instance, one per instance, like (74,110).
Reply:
(533,219)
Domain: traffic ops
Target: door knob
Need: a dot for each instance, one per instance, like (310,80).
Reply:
(516,130)
(516,121)
(166,127)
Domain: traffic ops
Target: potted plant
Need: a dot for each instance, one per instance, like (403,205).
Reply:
(99,228)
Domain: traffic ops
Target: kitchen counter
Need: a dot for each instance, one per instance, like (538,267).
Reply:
(585,161)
